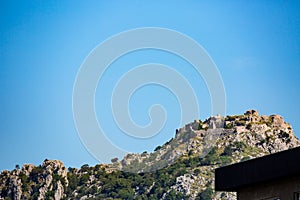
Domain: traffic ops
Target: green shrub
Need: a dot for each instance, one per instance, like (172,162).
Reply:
(239,145)
(84,179)
(157,148)
(249,126)
(35,173)
(245,158)
(236,146)
(225,160)
(241,123)
(85,168)
(211,158)
(231,118)
(197,172)
(126,193)
(229,126)
(49,195)
(206,194)
(113,160)
(228,151)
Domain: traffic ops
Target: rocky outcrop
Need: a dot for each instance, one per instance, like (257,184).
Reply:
(15,184)
(185,183)
(43,181)
(53,169)
(183,167)
(27,168)
(258,135)
(59,193)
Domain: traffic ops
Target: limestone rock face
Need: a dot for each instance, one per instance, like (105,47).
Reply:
(59,193)
(20,184)
(16,184)
(261,134)
(55,165)
(184,183)
(53,168)
(27,168)
(252,112)
(184,165)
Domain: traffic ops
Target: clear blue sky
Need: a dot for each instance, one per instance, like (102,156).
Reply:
(255,44)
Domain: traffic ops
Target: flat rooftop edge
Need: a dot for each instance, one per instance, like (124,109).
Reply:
(284,164)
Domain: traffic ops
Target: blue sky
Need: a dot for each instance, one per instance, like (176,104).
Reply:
(255,44)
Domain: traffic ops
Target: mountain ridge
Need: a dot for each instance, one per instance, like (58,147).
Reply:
(182,168)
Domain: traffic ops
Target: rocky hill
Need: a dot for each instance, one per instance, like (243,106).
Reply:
(182,168)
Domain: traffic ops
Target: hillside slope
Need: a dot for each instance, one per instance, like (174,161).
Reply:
(182,168)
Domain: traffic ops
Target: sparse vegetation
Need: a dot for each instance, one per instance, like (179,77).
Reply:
(229,126)
(170,180)
(206,194)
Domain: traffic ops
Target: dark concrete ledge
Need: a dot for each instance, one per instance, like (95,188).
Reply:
(282,165)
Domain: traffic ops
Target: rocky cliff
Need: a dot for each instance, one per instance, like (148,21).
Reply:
(35,182)
(182,168)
